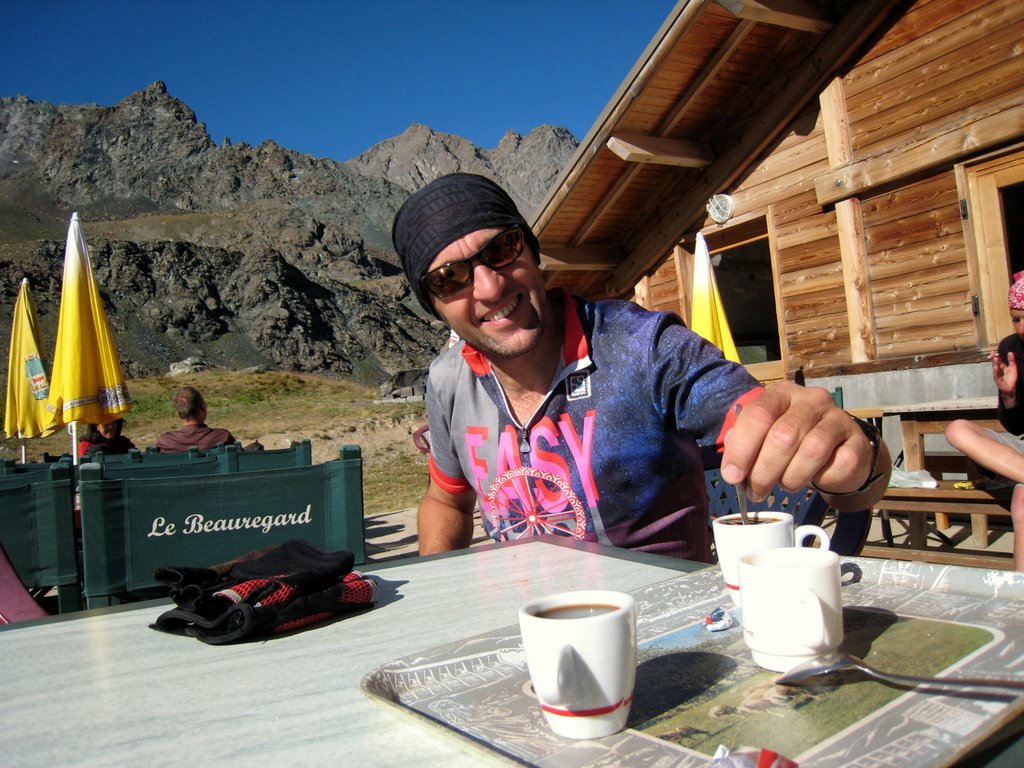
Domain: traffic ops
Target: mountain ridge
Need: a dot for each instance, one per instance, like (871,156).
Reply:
(240,255)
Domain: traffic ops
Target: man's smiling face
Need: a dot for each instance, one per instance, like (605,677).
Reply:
(503,312)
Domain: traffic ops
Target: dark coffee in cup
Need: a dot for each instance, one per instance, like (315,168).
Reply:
(753,520)
(579,611)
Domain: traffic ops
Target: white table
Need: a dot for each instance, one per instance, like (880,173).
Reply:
(104,689)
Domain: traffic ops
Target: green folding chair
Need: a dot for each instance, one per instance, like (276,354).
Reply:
(130,526)
(37,531)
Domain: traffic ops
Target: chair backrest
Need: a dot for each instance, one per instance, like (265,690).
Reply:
(130,526)
(807,506)
(850,531)
(37,530)
(10,468)
(149,456)
(138,469)
(235,459)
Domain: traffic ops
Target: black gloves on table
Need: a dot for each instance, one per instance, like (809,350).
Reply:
(276,590)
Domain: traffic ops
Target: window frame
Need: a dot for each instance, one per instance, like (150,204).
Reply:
(736,232)
(979,182)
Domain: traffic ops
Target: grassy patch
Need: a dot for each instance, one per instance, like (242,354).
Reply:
(276,408)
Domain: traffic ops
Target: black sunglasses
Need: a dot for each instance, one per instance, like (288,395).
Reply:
(500,251)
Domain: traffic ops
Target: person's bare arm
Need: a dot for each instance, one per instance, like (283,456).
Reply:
(445,520)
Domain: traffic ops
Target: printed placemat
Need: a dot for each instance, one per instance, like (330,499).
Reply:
(697,689)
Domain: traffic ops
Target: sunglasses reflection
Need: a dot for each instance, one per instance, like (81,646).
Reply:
(500,251)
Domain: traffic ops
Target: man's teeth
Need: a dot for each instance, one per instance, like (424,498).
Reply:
(502,313)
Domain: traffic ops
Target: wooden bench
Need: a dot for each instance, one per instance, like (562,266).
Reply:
(917,420)
(918,503)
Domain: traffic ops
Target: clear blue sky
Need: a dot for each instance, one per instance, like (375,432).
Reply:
(333,77)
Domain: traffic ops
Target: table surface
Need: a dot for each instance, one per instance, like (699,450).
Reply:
(697,690)
(105,689)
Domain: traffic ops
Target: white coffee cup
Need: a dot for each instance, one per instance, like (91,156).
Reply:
(581,653)
(766,530)
(792,605)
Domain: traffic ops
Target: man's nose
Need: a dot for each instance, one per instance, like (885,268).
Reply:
(487,282)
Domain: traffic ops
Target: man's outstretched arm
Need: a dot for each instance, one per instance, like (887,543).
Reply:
(445,520)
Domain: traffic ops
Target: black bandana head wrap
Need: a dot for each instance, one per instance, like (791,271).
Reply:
(445,210)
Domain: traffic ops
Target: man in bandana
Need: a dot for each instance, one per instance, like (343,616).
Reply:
(564,416)
(1003,452)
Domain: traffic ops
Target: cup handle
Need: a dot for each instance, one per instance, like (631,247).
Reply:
(558,688)
(803,531)
(811,618)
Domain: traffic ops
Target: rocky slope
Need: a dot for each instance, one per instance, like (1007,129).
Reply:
(236,254)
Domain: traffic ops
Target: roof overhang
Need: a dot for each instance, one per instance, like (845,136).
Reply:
(715,87)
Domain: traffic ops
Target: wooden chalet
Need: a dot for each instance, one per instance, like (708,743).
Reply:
(873,151)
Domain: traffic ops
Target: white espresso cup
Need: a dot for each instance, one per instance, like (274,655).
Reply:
(766,530)
(792,605)
(581,653)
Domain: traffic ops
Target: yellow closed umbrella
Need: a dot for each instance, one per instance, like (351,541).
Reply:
(88,383)
(707,312)
(25,414)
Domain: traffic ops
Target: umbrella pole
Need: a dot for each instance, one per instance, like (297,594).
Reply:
(24,454)
(73,431)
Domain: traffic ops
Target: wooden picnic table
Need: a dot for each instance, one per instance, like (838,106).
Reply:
(932,418)
(917,420)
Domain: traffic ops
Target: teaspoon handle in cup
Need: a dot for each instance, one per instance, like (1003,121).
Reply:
(835,662)
(741,500)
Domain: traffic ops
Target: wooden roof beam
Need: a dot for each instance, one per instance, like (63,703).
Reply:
(684,207)
(705,80)
(636,148)
(801,15)
(683,17)
(586,259)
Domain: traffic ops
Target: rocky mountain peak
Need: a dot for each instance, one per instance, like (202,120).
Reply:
(236,254)
(525,166)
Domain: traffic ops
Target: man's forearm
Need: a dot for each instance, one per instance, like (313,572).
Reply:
(442,528)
